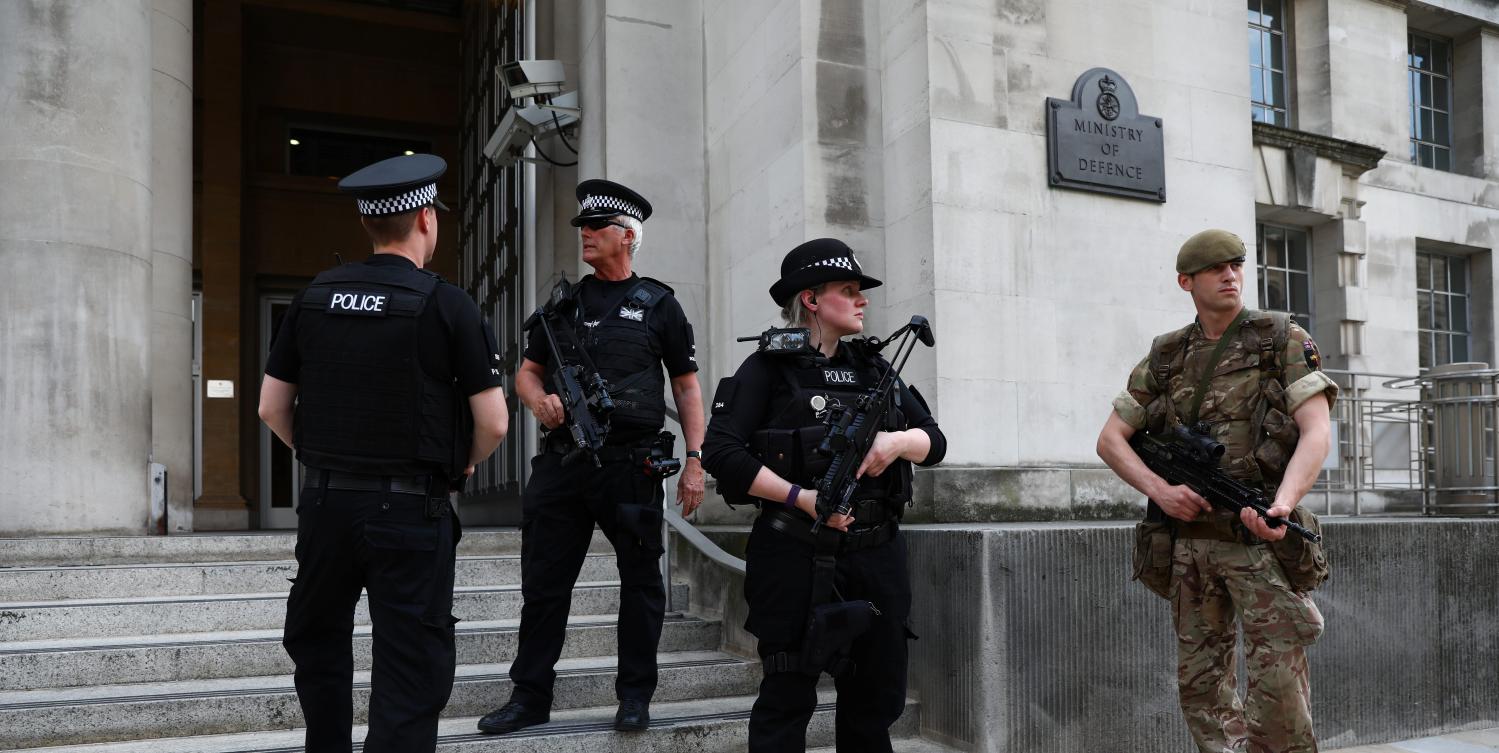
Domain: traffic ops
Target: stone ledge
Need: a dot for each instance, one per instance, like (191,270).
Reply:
(1001,494)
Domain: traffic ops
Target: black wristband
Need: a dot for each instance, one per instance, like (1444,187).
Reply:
(695,454)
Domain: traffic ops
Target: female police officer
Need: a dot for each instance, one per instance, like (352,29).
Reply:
(766,421)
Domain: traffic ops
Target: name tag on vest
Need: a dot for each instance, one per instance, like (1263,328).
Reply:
(356,303)
(839,376)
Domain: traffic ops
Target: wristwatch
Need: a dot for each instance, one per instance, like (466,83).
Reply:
(695,454)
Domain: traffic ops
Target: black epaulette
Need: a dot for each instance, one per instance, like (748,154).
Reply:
(648,292)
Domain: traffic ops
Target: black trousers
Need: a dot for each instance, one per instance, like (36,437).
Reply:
(560,507)
(384,544)
(778,587)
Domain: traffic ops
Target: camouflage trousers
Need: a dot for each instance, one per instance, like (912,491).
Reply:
(1215,584)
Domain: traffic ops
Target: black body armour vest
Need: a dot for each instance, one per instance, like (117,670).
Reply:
(788,443)
(364,403)
(621,348)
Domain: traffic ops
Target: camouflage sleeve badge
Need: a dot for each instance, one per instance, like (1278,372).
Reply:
(1310,354)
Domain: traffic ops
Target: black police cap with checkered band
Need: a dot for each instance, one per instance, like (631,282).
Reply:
(815,262)
(396,185)
(599,199)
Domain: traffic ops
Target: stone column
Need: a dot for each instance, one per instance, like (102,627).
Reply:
(172,254)
(75,213)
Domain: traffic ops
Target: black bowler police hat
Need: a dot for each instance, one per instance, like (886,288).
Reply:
(816,262)
(396,185)
(598,198)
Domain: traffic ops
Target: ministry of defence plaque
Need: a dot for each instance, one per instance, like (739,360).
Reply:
(1099,141)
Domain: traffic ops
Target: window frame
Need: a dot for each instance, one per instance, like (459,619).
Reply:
(1263,270)
(1278,115)
(1427,335)
(1441,152)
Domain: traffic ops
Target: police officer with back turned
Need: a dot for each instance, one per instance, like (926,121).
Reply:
(627,327)
(386,381)
(766,421)
(1252,382)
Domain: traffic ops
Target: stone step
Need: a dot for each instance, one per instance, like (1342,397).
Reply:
(80,618)
(79,662)
(213,547)
(707,725)
(111,713)
(54,583)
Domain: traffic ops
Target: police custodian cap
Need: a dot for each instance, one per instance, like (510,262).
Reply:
(816,262)
(599,199)
(396,185)
(1207,248)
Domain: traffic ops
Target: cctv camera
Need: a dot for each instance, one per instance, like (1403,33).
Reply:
(509,139)
(522,124)
(533,78)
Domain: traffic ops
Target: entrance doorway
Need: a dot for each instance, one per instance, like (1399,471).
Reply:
(280,473)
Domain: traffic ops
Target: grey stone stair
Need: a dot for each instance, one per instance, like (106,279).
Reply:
(212,547)
(77,618)
(53,583)
(715,724)
(79,662)
(172,644)
(110,713)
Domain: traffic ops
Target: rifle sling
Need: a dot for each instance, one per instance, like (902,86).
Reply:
(1212,365)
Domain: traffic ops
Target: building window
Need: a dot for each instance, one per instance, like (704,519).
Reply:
(1285,272)
(1442,308)
(335,154)
(1430,70)
(1267,61)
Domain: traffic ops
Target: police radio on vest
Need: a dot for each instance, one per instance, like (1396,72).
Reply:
(372,302)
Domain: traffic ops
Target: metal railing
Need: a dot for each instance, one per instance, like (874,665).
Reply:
(1461,403)
(1377,462)
(1428,453)
(671,519)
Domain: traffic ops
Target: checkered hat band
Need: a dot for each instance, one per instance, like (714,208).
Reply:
(413,199)
(842,262)
(611,202)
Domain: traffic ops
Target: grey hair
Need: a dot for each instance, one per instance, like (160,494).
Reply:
(635,225)
(794,313)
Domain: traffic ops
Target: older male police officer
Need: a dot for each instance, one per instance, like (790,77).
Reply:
(629,326)
(1255,379)
(386,381)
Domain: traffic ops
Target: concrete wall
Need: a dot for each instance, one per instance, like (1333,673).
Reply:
(1034,639)
(75,239)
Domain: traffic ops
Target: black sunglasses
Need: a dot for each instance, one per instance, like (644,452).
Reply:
(600,224)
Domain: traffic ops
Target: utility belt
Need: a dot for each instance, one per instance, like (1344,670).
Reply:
(431,488)
(798,526)
(653,455)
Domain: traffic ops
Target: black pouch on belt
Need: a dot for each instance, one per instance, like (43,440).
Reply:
(831,630)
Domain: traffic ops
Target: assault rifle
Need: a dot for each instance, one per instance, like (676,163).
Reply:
(1190,456)
(851,430)
(583,391)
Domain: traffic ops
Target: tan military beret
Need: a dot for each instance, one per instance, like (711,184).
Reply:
(1207,248)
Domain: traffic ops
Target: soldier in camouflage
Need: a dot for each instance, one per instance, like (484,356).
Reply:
(1269,403)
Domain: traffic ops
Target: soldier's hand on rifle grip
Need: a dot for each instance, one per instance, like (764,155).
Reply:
(1262,529)
(887,448)
(548,410)
(1180,502)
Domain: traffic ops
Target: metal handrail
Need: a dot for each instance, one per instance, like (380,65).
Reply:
(672,519)
(704,544)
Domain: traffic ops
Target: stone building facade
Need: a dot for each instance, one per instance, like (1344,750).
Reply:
(1353,143)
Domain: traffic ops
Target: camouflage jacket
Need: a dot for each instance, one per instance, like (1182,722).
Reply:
(1269,369)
